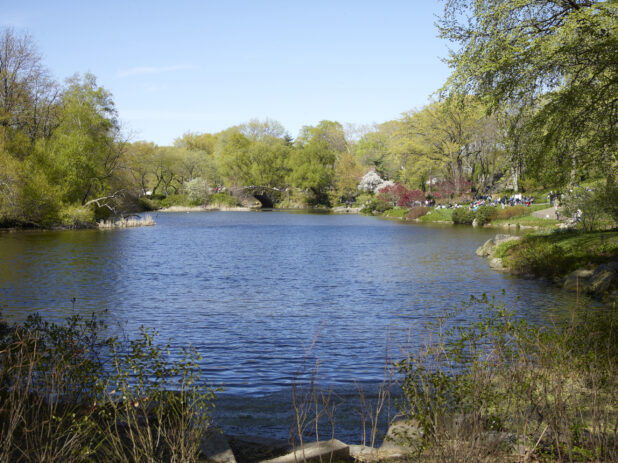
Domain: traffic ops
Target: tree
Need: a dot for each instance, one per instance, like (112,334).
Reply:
(557,58)
(258,130)
(311,168)
(85,148)
(28,96)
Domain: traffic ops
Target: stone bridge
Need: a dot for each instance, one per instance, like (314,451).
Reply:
(266,195)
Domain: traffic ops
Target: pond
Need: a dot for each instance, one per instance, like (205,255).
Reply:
(262,295)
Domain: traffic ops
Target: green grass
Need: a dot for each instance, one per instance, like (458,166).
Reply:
(396,213)
(437,215)
(528,221)
(559,253)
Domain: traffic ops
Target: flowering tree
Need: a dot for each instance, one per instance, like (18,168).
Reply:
(399,195)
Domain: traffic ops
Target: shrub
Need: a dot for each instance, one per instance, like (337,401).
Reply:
(592,207)
(145,205)
(417,212)
(477,393)
(539,258)
(463,215)
(222,199)
(178,200)
(376,205)
(197,190)
(484,214)
(75,215)
(59,402)
(399,195)
(508,212)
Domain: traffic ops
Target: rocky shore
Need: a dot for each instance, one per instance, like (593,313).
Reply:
(218,448)
(597,281)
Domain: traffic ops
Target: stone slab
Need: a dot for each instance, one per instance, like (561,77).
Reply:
(315,452)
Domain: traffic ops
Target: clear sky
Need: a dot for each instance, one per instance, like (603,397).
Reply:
(203,66)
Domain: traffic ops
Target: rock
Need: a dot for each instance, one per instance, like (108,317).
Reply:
(577,280)
(496,264)
(475,222)
(215,448)
(487,249)
(315,452)
(502,238)
(603,278)
(490,245)
(372,454)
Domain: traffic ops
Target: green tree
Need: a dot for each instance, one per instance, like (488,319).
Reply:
(312,167)
(85,149)
(556,57)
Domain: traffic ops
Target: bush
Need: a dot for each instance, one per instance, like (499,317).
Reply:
(376,205)
(61,402)
(222,199)
(197,190)
(482,392)
(417,212)
(484,214)
(463,215)
(539,258)
(594,208)
(145,205)
(76,215)
(178,200)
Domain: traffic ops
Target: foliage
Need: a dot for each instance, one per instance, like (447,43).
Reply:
(197,190)
(376,205)
(399,195)
(222,199)
(593,208)
(417,212)
(471,386)
(553,64)
(76,215)
(463,215)
(484,214)
(60,403)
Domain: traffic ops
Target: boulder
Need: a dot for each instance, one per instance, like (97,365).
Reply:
(215,448)
(496,264)
(487,249)
(603,278)
(502,238)
(315,452)
(577,280)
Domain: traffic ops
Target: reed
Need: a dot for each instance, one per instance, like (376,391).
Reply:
(128,222)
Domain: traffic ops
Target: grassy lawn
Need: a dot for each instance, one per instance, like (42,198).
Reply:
(437,215)
(557,254)
(527,220)
(395,213)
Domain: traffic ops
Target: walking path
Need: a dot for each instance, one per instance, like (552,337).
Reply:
(549,213)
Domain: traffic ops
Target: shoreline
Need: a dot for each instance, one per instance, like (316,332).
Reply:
(598,281)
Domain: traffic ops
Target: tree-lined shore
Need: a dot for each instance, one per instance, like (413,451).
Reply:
(529,107)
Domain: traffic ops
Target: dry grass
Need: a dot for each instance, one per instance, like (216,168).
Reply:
(130,222)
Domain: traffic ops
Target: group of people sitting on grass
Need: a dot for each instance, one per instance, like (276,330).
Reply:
(503,201)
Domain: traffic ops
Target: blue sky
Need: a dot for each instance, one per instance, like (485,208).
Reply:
(203,66)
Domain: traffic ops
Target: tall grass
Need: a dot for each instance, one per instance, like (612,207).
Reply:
(146,221)
(60,403)
(502,390)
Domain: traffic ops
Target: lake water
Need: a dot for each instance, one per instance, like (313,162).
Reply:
(262,294)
